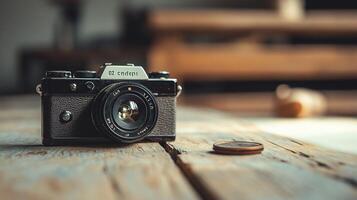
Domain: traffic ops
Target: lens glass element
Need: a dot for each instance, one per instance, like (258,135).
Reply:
(129,111)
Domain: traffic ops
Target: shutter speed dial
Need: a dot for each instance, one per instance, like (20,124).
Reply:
(85,74)
(58,74)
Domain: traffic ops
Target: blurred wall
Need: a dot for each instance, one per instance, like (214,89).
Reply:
(20,24)
(31,23)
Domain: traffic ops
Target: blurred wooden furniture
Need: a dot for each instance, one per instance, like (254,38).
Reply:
(245,56)
(184,169)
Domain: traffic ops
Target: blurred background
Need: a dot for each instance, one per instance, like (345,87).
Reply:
(214,47)
(287,58)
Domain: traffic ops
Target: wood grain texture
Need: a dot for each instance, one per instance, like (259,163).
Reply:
(287,168)
(29,170)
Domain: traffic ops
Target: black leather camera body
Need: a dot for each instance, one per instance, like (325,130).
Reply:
(119,104)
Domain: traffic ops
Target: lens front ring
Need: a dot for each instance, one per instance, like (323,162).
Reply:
(109,103)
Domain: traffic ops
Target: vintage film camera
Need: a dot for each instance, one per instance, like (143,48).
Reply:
(122,104)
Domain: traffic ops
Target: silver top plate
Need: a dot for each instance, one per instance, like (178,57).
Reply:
(123,72)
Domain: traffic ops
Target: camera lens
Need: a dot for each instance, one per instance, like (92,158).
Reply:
(126,112)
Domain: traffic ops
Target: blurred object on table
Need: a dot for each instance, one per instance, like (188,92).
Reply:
(298,102)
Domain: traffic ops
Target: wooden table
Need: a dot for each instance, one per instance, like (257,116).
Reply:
(184,169)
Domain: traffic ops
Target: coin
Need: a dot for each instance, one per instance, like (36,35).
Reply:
(238,147)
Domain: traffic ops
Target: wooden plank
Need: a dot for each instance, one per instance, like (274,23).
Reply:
(287,168)
(231,61)
(29,170)
(240,21)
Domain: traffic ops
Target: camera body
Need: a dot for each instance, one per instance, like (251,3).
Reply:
(120,105)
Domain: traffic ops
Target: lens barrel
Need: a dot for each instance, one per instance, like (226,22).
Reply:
(126,112)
